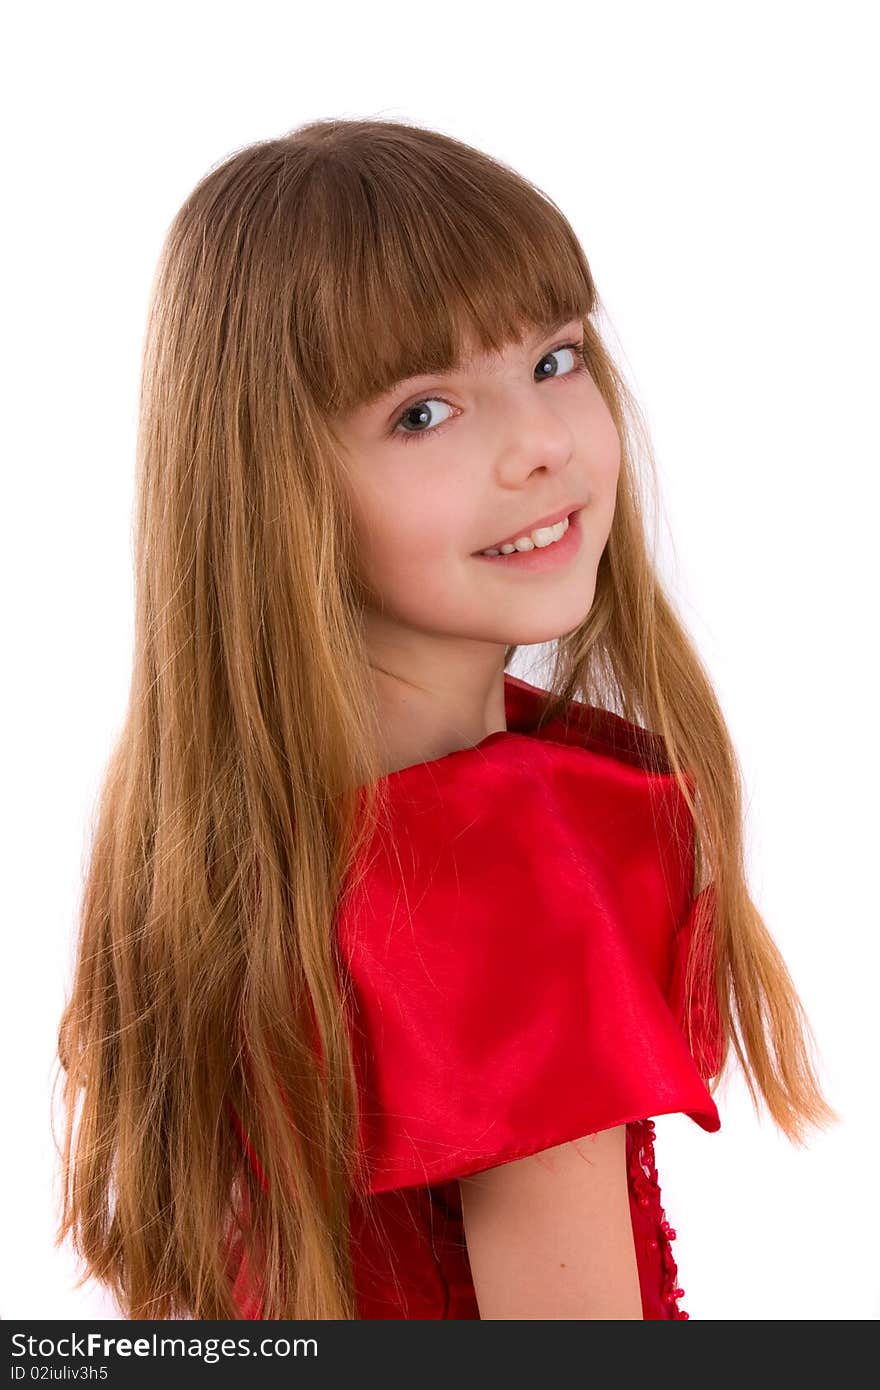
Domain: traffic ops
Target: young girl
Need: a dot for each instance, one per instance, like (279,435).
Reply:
(388,956)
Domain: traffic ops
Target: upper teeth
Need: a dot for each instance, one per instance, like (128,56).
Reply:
(544,535)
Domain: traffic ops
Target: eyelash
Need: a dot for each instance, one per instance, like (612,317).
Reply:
(410,436)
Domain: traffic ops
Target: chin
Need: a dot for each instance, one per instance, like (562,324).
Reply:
(544,623)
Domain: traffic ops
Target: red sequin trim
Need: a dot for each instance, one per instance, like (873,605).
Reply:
(645,1184)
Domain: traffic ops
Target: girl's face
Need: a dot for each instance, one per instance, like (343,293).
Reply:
(444,466)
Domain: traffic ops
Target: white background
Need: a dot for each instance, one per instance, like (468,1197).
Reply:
(718,163)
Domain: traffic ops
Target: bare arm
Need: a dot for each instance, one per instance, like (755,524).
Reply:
(550,1236)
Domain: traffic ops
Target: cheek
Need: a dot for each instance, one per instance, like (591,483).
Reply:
(603,443)
(409,533)
(608,456)
(602,450)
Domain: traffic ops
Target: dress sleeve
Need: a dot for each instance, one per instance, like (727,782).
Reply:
(508,996)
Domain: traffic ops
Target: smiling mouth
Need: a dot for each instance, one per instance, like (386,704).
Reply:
(549,535)
(545,525)
(552,555)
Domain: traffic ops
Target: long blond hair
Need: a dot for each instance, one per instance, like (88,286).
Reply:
(301,276)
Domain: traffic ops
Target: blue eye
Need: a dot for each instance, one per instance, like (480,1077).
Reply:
(418,407)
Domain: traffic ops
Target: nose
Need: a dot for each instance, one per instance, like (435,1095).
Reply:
(535,438)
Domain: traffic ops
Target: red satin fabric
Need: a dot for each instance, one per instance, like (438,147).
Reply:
(516,952)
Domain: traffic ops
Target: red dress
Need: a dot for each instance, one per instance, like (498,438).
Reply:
(516,949)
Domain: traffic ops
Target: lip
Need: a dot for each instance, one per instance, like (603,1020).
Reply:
(545,557)
(559,515)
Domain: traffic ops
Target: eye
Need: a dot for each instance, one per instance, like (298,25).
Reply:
(419,409)
(577,352)
(420,413)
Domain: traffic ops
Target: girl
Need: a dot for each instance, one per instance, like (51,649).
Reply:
(388,956)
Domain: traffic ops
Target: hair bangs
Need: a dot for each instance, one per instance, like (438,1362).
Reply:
(418,274)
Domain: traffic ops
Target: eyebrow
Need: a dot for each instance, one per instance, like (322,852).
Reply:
(385,397)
